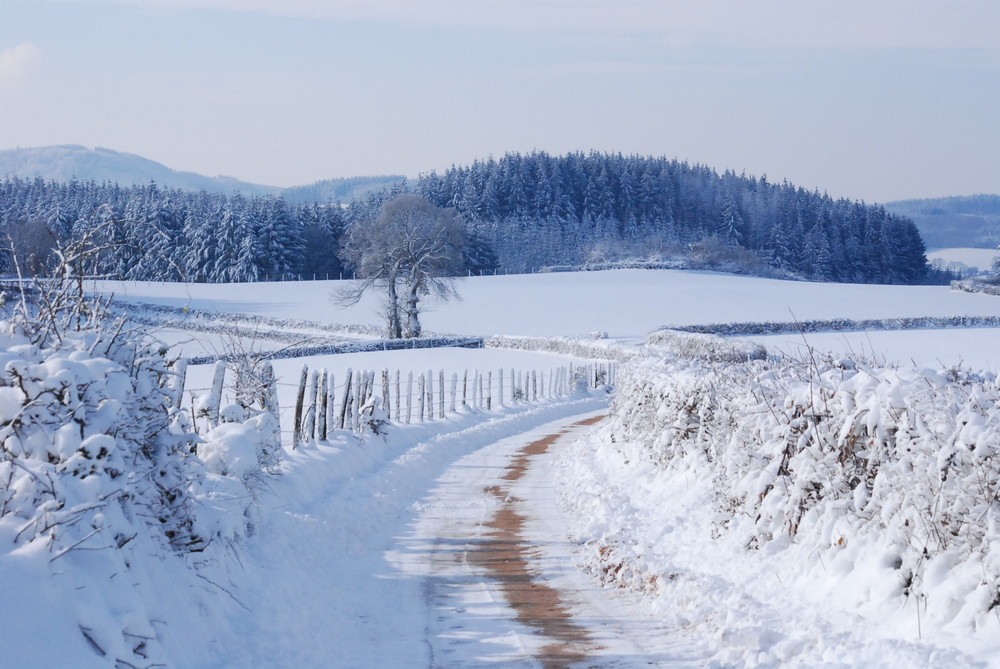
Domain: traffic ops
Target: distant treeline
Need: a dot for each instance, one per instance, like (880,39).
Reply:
(524,213)
(968,221)
(538,210)
(151,233)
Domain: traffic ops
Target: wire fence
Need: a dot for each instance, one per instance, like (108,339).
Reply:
(367,401)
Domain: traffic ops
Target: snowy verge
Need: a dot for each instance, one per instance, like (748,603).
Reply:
(816,515)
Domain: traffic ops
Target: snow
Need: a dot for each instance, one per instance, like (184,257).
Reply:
(623,303)
(975,348)
(328,537)
(981,259)
(357,553)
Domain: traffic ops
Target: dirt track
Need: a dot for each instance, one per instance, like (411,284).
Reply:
(506,556)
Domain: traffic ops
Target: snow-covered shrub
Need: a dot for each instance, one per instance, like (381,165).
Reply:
(904,464)
(594,346)
(705,346)
(843,324)
(102,496)
(977,286)
(374,418)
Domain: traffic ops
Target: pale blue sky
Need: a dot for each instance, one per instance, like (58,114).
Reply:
(881,102)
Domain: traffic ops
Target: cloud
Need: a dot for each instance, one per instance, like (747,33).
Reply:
(15,63)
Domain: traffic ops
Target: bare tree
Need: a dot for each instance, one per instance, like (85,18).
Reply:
(410,249)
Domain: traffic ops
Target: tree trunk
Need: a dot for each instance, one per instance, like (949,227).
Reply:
(412,311)
(392,312)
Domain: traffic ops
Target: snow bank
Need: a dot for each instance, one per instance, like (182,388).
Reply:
(828,494)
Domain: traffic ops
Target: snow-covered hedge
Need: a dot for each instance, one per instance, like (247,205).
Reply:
(678,263)
(213,321)
(974,286)
(889,477)
(105,506)
(354,347)
(595,346)
(705,346)
(838,324)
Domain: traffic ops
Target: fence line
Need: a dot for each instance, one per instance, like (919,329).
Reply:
(367,402)
(364,401)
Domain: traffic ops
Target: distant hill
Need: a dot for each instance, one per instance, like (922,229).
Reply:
(340,190)
(69,161)
(950,222)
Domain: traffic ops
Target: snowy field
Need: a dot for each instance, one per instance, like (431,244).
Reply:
(978,258)
(974,348)
(359,553)
(625,304)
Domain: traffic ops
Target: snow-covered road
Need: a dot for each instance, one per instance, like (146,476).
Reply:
(362,556)
(500,576)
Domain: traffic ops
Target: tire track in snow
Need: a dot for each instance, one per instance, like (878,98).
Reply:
(499,572)
(507,555)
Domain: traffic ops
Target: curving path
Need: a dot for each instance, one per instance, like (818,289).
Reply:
(499,574)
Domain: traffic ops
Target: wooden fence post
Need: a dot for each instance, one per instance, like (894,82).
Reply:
(300,400)
(441,393)
(409,396)
(356,400)
(385,392)
(323,402)
(421,398)
(430,395)
(399,408)
(310,427)
(454,389)
(345,410)
(331,404)
(489,390)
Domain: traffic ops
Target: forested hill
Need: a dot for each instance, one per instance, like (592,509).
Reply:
(71,162)
(539,210)
(524,213)
(969,221)
(158,234)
